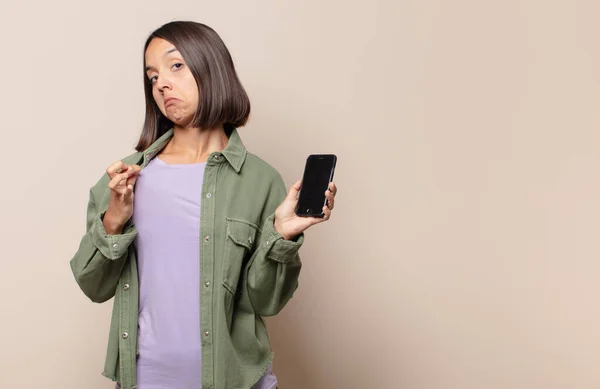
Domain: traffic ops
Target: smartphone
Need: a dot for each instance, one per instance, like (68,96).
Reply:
(318,173)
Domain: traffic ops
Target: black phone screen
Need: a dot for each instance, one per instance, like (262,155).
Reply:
(318,173)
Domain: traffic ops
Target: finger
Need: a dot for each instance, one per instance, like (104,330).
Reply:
(294,189)
(327,213)
(329,194)
(333,188)
(116,182)
(131,169)
(326,216)
(132,180)
(115,168)
(128,190)
(134,171)
(330,199)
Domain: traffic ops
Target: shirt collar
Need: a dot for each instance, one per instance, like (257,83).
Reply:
(235,151)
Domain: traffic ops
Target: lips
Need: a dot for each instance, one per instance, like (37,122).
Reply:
(170,101)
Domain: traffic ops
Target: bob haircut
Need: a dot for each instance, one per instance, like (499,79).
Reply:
(222,99)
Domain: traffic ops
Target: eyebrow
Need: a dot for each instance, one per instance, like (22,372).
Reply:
(164,55)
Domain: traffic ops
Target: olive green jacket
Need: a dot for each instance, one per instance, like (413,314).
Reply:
(248,270)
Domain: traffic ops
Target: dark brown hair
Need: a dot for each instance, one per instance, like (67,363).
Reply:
(222,98)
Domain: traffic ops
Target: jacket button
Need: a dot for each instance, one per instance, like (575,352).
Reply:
(125,335)
(126,287)
(115,246)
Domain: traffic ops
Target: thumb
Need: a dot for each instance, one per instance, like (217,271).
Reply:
(134,175)
(294,189)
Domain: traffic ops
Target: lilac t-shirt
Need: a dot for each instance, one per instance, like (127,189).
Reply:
(167,217)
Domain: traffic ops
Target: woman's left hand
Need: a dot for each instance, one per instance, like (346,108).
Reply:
(288,224)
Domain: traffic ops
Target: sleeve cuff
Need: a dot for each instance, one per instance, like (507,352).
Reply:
(277,248)
(112,246)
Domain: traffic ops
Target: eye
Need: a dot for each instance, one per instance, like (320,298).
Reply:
(177,66)
(153,79)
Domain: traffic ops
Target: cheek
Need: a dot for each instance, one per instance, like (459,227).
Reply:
(191,90)
(157,96)
(158,99)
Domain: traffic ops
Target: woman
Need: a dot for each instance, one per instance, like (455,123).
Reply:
(209,243)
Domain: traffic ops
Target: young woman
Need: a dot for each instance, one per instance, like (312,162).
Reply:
(209,243)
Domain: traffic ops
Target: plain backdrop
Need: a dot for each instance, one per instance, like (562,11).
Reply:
(463,252)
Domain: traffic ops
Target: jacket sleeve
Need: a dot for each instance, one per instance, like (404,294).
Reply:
(275,264)
(98,262)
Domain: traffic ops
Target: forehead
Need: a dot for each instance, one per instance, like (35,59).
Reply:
(158,49)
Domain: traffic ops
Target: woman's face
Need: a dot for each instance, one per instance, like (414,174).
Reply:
(173,86)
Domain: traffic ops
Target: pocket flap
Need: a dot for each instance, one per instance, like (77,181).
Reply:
(242,232)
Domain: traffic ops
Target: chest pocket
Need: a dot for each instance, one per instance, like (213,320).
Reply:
(241,237)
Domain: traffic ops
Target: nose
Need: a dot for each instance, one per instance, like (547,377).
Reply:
(163,83)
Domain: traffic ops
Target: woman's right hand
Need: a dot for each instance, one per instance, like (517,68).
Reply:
(120,207)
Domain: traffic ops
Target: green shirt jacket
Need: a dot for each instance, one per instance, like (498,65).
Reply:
(248,270)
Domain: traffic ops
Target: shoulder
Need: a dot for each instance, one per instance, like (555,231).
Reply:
(264,181)
(259,168)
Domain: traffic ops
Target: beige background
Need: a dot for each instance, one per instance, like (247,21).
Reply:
(463,252)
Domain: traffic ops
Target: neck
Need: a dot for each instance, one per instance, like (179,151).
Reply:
(194,145)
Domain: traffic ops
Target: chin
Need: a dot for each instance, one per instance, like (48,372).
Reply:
(184,123)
